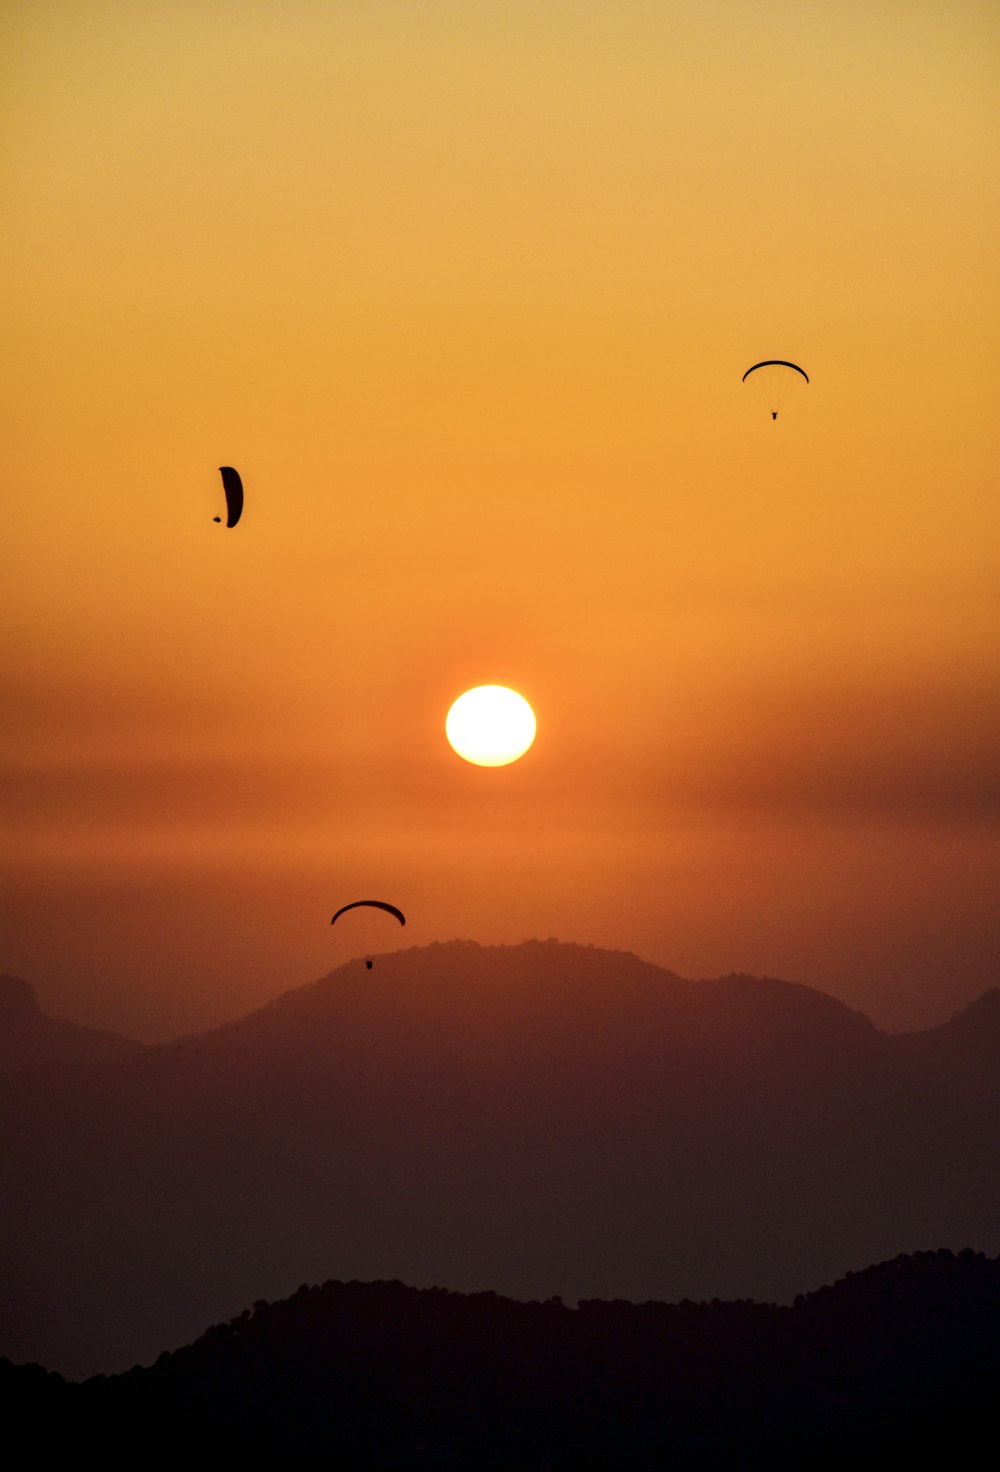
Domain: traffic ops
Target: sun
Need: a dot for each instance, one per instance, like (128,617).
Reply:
(490,726)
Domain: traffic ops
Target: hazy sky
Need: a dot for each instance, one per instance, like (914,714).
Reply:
(466,291)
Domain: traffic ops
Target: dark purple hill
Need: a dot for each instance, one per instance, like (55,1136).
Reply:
(965,1051)
(29,1039)
(538,1119)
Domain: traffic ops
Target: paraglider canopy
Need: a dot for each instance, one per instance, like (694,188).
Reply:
(776,363)
(233,487)
(772,376)
(375,905)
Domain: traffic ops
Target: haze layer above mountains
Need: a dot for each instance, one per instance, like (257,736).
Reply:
(536,1120)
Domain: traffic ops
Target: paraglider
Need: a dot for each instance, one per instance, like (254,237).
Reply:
(374,905)
(233,487)
(772,377)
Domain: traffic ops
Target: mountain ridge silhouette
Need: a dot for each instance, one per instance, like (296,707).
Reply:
(900,1358)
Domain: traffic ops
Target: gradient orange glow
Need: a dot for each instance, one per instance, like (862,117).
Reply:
(466,293)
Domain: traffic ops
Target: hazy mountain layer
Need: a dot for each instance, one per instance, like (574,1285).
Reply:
(29,1039)
(541,1119)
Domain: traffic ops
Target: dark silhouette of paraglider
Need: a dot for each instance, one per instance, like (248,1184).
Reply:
(773,381)
(233,487)
(374,905)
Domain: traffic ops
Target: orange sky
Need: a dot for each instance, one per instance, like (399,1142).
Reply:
(466,293)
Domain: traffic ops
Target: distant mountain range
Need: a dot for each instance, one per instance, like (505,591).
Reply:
(899,1362)
(29,1039)
(536,1120)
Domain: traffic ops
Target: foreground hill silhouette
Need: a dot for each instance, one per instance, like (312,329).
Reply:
(898,1360)
(539,1119)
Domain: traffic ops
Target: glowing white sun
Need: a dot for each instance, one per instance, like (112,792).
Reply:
(490,725)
